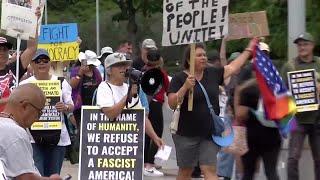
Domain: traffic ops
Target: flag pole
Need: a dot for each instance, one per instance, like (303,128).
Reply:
(18,58)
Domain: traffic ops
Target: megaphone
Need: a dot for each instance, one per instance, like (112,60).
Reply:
(152,81)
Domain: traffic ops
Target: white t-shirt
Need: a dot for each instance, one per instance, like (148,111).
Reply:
(15,149)
(67,99)
(107,97)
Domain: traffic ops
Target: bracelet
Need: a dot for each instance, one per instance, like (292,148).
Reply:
(248,49)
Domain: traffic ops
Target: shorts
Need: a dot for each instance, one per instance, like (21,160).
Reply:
(191,150)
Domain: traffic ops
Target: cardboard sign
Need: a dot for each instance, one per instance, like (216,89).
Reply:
(248,25)
(51,118)
(18,17)
(111,149)
(60,40)
(62,51)
(303,87)
(186,22)
(57,33)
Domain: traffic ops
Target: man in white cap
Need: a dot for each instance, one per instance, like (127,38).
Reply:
(147,44)
(8,70)
(112,94)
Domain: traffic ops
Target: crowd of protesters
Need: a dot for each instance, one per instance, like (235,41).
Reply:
(229,83)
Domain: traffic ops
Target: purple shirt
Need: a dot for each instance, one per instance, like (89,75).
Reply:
(76,92)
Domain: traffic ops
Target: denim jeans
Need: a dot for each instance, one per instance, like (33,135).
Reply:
(48,159)
(296,145)
(225,163)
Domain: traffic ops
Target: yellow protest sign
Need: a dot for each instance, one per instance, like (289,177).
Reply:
(67,51)
(51,118)
(51,88)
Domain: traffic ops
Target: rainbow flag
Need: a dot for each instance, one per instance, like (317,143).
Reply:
(279,105)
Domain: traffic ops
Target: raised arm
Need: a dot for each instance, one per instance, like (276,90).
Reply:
(32,44)
(236,65)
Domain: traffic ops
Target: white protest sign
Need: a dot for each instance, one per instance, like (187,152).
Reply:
(191,21)
(18,17)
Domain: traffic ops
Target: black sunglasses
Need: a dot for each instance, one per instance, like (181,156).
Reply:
(44,60)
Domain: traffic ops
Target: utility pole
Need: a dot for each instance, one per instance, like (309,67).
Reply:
(296,24)
(97,27)
(46,12)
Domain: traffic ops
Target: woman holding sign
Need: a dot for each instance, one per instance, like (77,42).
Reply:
(112,94)
(49,144)
(193,139)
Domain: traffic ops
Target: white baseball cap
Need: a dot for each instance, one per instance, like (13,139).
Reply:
(116,58)
(90,56)
(264,47)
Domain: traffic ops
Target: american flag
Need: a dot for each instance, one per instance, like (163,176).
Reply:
(269,72)
(278,103)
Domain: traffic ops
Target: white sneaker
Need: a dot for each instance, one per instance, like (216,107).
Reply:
(152,172)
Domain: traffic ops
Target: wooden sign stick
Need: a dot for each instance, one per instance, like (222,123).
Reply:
(191,63)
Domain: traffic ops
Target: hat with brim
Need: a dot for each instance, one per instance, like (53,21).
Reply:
(116,59)
(149,44)
(4,42)
(227,136)
(41,53)
(90,57)
(106,50)
(304,37)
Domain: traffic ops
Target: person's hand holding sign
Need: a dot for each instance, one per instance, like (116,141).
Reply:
(61,107)
(190,82)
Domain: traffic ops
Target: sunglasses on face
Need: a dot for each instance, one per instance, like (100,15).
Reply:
(44,60)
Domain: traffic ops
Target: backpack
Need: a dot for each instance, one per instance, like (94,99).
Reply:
(47,137)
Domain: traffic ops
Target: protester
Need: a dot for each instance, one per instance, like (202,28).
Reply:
(155,61)
(85,79)
(308,122)
(126,48)
(106,51)
(23,108)
(49,157)
(192,141)
(141,61)
(8,71)
(112,94)
(263,142)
